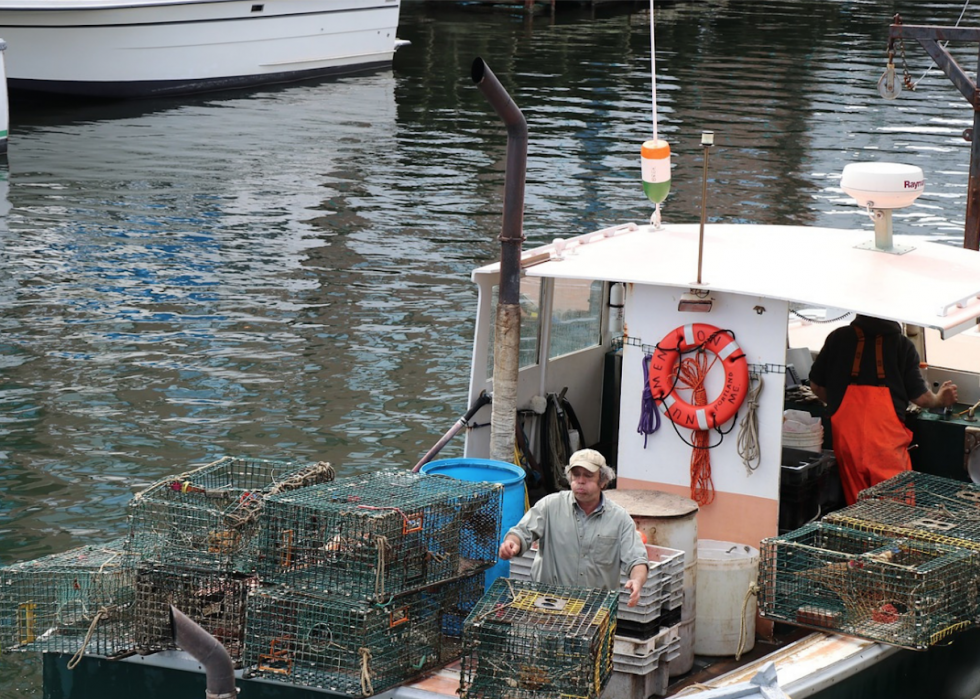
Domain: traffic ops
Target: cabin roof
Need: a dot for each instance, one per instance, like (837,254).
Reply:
(934,285)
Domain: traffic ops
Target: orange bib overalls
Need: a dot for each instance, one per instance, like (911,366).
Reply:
(870,442)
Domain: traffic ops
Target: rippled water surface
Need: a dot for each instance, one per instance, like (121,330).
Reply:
(284,273)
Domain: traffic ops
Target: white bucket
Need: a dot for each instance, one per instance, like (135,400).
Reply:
(726,571)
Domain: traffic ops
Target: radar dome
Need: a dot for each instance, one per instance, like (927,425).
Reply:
(883,185)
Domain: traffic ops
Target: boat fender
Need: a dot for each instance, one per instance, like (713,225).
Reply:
(663,375)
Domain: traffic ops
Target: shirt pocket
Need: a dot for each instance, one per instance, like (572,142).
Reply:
(606,551)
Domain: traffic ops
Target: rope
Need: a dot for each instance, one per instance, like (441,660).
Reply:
(77,658)
(319,472)
(366,688)
(748,430)
(649,415)
(944,44)
(379,580)
(405,517)
(250,505)
(692,373)
(753,589)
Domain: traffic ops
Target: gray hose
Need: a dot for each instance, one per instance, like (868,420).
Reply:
(208,651)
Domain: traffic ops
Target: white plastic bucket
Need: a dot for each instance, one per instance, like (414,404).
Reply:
(726,571)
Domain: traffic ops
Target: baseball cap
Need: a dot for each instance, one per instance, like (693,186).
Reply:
(589,459)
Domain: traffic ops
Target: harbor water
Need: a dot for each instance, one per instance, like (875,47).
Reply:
(284,273)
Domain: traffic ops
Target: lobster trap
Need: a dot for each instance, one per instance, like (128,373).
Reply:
(215,600)
(526,640)
(379,535)
(927,491)
(891,517)
(79,600)
(209,516)
(903,592)
(354,647)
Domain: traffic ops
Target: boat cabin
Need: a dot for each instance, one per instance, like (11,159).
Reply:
(760,284)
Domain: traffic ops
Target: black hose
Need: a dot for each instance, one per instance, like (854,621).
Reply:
(208,651)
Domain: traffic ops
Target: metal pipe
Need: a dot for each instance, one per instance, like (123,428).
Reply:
(512,228)
(462,422)
(208,651)
(507,326)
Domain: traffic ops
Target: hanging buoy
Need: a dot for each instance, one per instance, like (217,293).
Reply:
(655,157)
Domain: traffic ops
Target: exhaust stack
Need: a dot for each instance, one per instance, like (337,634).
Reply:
(507,329)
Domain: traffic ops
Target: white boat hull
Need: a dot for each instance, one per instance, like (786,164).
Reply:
(145,49)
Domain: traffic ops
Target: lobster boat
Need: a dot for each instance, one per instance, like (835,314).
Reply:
(680,351)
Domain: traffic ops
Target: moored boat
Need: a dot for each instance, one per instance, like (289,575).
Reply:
(575,347)
(147,48)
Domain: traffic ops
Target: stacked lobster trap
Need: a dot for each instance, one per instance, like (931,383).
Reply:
(925,490)
(371,578)
(648,634)
(527,640)
(902,591)
(195,536)
(355,647)
(380,535)
(352,585)
(209,517)
(70,601)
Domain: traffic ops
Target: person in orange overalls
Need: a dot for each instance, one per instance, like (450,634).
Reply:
(866,373)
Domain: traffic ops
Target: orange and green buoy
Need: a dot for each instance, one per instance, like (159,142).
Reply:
(656,169)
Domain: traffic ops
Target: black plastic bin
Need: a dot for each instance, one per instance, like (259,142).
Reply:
(809,487)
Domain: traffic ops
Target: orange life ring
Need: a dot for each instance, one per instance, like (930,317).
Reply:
(663,367)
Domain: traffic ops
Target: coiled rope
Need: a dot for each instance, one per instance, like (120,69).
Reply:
(692,372)
(649,415)
(748,429)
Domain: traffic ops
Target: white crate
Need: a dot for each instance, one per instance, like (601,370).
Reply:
(642,657)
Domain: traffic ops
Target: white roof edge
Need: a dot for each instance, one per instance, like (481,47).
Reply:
(934,285)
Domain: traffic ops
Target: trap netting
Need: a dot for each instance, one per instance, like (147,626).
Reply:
(899,591)
(890,517)
(209,516)
(355,647)
(378,535)
(68,602)
(928,491)
(525,640)
(213,599)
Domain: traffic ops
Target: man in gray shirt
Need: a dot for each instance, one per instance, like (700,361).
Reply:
(584,539)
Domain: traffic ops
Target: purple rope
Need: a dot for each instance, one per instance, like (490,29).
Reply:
(649,415)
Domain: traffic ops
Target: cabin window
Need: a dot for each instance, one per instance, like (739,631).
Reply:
(530,323)
(576,316)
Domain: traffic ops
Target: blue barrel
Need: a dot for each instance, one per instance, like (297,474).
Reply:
(489,471)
